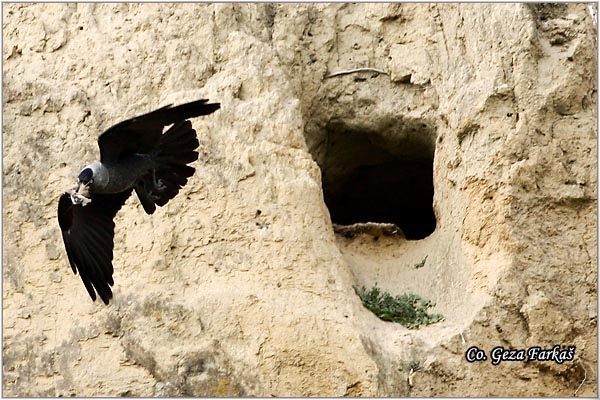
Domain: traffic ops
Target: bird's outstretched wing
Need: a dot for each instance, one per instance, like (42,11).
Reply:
(141,134)
(88,235)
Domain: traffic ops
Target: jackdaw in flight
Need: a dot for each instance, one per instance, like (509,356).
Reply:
(134,155)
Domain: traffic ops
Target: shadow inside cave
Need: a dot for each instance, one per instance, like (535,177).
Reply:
(384,177)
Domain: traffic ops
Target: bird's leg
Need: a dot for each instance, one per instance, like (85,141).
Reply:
(154,187)
(158,184)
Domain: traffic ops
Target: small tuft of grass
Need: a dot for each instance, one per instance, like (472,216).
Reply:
(421,264)
(414,365)
(409,310)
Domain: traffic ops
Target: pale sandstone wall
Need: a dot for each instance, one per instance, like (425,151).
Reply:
(213,299)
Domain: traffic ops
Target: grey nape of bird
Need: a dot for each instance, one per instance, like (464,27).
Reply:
(135,155)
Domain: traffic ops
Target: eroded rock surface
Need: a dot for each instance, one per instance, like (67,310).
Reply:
(240,286)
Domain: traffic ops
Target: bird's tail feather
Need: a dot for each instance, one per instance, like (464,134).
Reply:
(176,149)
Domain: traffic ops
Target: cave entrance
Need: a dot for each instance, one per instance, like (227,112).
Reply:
(380,175)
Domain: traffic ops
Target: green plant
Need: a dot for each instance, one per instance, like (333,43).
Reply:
(421,264)
(414,366)
(408,310)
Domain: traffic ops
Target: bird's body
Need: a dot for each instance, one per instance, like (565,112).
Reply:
(118,176)
(134,156)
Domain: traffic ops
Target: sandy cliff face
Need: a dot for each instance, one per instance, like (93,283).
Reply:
(478,140)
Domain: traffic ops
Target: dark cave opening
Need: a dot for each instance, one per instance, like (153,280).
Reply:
(385,177)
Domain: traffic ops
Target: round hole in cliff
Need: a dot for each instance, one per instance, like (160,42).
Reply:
(382,173)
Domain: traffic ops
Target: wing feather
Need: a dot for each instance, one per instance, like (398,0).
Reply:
(88,233)
(142,133)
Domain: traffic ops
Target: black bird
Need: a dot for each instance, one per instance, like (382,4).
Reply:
(134,155)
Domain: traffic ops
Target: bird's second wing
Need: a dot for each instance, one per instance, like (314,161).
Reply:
(141,134)
(88,235)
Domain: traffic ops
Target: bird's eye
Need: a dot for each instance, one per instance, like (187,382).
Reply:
(90,181)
